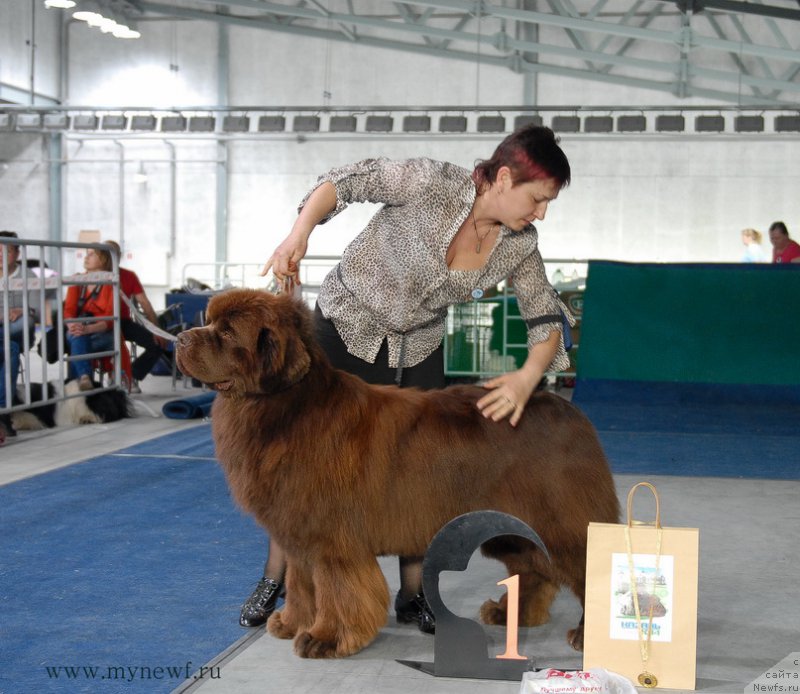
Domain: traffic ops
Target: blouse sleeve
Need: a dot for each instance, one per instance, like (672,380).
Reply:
(541,307)
(379,180)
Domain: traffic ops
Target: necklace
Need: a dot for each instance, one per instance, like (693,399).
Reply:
(646,679)
(480,238)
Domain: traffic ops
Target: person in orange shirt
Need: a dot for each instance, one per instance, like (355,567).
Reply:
(89,300)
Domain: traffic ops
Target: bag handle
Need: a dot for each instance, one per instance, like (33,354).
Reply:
(630,504)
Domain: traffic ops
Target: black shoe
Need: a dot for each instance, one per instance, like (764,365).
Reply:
(5,422)
(261,604)
(415,611)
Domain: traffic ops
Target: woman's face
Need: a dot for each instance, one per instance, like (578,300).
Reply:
(91,261)
(778,239)
(525,203)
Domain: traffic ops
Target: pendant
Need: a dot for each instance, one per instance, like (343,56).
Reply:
(648,679)
(478,247)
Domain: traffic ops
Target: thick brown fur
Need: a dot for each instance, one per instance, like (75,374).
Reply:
(339,471)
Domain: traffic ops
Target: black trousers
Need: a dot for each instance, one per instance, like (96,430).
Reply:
(135,332)
(427,375)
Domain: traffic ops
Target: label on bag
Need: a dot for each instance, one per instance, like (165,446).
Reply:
(653,590)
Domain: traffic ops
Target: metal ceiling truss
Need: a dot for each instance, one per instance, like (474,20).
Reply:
(724,50)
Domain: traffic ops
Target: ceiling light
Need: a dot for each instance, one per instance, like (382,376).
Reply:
(56,121)
(143,122)
(453,124)
(305,124)
(59,4)
(123,32)
(29,121)
(491,124)
(379,124)
(417,124)
(566,124)
(271,124)
(236,124)
(85,122)
(525,119)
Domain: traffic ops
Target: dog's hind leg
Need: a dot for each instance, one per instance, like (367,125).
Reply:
(298,612)
(352,602)
(577,583)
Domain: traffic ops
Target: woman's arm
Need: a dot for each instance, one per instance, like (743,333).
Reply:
(285,260)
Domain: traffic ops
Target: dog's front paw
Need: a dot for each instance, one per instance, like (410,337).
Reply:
(575,637)
(278,628)
(493,613)
(307,646)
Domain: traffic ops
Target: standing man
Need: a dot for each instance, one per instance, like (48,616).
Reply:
(153,346)
(784,249)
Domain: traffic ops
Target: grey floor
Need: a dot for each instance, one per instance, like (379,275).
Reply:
(749,602)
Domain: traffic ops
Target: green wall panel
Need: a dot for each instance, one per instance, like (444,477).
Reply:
(693,323)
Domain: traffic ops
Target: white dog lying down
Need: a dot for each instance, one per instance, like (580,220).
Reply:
(107,406)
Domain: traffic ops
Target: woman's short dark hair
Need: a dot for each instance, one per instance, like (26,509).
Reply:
(10,235)
(779,226)
(531,152)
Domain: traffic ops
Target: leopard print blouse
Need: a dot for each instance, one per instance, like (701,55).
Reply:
(393,282)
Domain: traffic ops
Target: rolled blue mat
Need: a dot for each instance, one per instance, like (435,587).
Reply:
(194,407)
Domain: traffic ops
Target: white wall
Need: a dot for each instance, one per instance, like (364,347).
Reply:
(662,198)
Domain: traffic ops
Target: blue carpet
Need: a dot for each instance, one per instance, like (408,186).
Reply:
(703,430)
(133,564)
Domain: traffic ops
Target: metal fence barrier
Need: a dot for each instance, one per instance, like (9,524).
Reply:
(42,289)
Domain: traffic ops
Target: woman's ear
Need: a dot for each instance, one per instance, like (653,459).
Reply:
(504,180)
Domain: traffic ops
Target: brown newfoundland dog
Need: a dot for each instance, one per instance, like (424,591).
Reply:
(339,471)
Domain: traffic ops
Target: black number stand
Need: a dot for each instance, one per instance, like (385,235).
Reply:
(461,645)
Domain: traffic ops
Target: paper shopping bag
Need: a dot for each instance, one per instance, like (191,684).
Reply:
(641,600)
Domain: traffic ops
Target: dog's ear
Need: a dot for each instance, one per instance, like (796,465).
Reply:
(283,365)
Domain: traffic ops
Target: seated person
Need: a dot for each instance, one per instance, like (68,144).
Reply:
(15,328)
(17,322)
(89,300)
(132,331)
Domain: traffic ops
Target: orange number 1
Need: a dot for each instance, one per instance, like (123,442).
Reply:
(512,619)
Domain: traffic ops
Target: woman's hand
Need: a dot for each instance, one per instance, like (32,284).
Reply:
(508,396)
(511,392)
(285,260)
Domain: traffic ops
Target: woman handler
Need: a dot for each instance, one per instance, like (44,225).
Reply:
(442,233)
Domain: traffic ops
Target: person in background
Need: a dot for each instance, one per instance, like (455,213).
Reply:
(15,327)
(443,234)
(89,300)
(753,252)
(784,249)
(132,331)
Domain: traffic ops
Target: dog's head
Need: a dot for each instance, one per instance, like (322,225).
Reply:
(253,342)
